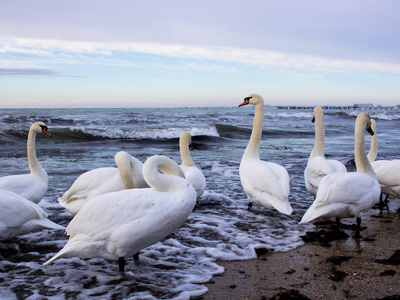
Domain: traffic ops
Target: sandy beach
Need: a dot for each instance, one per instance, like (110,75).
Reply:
(330,265)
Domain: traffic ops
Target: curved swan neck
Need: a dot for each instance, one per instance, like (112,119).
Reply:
(362,163)
(373,150)
(253,147)
(319,133)
(184,143)
(34,165)
(122,159)
(171,181)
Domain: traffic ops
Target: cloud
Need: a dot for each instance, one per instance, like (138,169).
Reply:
(28,72)
(258,58)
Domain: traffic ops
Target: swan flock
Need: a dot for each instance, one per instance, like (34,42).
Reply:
(121,210)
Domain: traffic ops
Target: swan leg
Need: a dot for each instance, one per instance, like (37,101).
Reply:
(250,205)
(386,198)
(382,202)
(358,227)
(136,257)
(338,223)
(121,264)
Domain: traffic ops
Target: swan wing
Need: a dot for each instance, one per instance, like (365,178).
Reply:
(29,186)
(103,213)
(316,169)
(266,184)
(19,215)
(282,176)
(258,176)
(196,178)
(343,196)
(121,223)
(347,188)
(388,174)
(92,183)
(336,166)
(16,210)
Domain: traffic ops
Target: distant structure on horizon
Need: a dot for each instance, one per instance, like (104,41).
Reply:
(363,105)
(342,107)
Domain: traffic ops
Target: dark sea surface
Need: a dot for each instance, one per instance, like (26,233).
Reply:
(220,227)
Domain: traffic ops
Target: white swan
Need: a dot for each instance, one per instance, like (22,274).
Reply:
(318,166)
(19,216)
(31,186)
(119,224)
(265,183)
(189,168)
(99,181)
(347,195)
(387,171)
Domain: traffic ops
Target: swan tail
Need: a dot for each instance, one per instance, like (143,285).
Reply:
(46,223)
(308,216)
(61,202)
(283,206)
(62,253)
(316,212)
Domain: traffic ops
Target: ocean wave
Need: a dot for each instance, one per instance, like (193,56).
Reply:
(378,115)
(301,115)
(156,133)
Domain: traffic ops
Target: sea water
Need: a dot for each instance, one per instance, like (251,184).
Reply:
(221,227)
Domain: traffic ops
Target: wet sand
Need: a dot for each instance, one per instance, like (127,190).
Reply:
(330,265)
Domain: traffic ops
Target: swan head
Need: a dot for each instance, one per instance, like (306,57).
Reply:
(373,125)
(253,99)
(40,127)
(186,138)
(365,118)
(317,112)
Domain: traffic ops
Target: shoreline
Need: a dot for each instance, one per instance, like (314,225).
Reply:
(328,266)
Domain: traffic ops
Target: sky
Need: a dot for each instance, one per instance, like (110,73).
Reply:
(156,53)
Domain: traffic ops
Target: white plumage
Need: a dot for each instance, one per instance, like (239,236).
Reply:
(127,175)
(31,186)
(346,195)
(192,173)
(265,183)
(387,171)
(119,224)
(19,216)
(318,166)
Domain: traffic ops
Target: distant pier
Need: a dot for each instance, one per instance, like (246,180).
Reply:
(331,107)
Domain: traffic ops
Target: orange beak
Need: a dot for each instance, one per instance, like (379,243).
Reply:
(245,102)
(46,131)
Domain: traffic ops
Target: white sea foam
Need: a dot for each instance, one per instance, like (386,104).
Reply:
(302,115)
(379,115)
(149,133)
